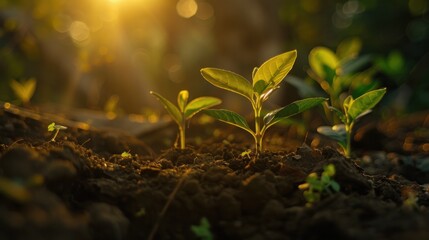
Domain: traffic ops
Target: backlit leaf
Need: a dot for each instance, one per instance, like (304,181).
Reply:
(337,133)
(229,117)
(171,109)
(199,104)
(229,81)
(323,62)
(182,100)
(292,109)
(365,102)
(275,69)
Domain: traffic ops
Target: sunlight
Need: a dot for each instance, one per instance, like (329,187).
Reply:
(186,8)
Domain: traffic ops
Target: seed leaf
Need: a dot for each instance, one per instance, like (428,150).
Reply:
(365,102)
(292,109)
(171,109)
(229,117)
(229,81)
(199,104)
(275,69)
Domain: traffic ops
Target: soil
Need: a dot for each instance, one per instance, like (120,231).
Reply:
(80,187)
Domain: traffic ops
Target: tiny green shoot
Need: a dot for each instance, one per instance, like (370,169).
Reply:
(202,231)
(266,79)
(314,186)
(24,90)
(126,155)
(55,127)
(186,110)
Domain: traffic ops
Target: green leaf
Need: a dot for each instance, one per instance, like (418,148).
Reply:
(171,109)
(349,49)
(292,109)
(260,86)
(323,62)
(335,186)
(229,81)
(337,132)
(339,114)
(329,170)
(199,104)
(275,69)
(182,100)
(51,127)
(229,117)
(365,102)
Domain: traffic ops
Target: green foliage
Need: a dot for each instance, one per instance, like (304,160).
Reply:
(265,80)
(351,93)
(185,110)
(24,90)
(55,127)
(202,230)
(314,186)
(353,109)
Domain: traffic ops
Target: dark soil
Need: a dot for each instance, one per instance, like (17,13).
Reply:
(80,187)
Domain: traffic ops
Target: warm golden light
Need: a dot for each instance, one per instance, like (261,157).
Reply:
(186,8)
(79,31)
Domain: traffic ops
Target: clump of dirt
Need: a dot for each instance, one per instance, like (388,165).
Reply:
(80,187)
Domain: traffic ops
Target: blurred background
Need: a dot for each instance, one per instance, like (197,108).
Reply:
(108,54)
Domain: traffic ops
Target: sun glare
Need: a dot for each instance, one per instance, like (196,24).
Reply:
(186,8)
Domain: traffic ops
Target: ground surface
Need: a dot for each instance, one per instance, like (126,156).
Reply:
(80,187)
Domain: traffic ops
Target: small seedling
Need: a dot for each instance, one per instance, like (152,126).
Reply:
(126,155)
(25,90)
(202,231)
(314,186)
(55,127)
(186,110)
(348,91)
(266,79)
(353,109)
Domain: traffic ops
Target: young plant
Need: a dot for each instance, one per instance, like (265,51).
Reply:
(353,109)
(203,231)
(335,74)
(55,127)
(186,110)
(314,186)
(265,80)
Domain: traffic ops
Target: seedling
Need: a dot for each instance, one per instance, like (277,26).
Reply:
(55,127)
(186,110)
(266,79)
(353,109)
(314,186)
(334,74)
(25,90)
(202,231)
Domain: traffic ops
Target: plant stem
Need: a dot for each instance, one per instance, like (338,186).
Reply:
(55,135)
(182,136)
(347,150)
(258,133)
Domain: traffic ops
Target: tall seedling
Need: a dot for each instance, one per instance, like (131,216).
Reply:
(185,110)
(265,80)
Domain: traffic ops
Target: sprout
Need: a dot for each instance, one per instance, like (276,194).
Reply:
(55,127)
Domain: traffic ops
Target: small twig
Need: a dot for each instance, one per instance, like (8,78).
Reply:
(167,205)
